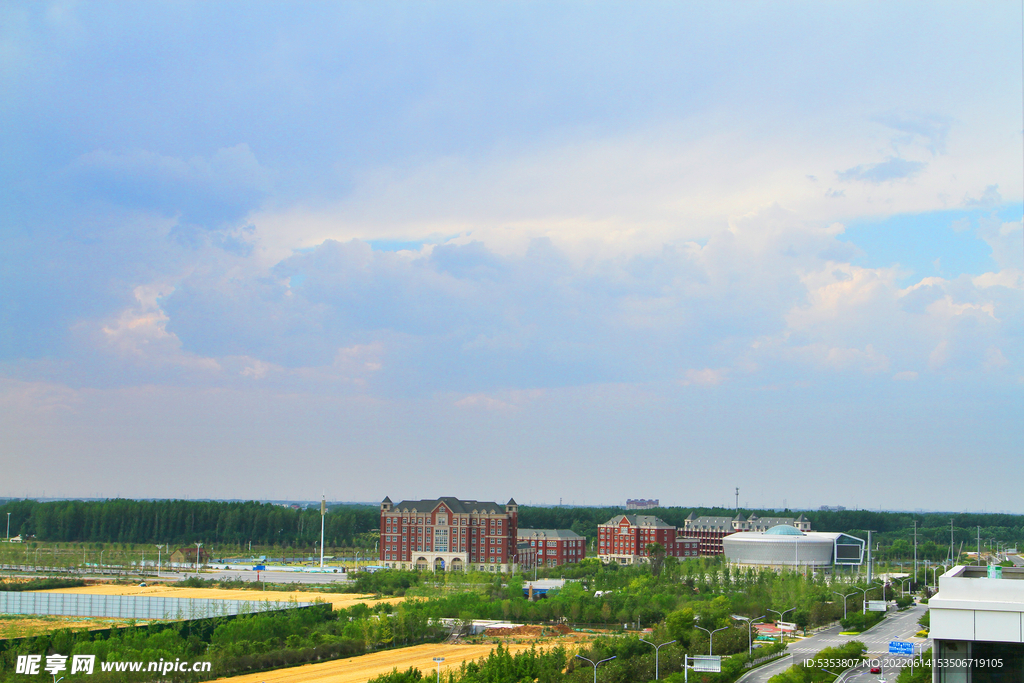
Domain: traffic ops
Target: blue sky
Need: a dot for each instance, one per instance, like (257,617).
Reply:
(253,250)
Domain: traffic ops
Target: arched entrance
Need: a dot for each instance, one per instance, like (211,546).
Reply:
(456,565)
(421,563)
(439,565)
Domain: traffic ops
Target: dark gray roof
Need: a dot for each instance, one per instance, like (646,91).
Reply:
(710,523)
(454,504)
(567,534)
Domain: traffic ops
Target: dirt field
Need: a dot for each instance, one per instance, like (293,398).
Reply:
(16,626)
(363,668)
(338,600)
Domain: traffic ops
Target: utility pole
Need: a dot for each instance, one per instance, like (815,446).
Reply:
(737,499)
(915,551)
(979,546)
(323,511)
(869,555)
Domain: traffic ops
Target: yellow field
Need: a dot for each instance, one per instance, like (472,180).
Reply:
(34,625)
(363,668)
(337,600)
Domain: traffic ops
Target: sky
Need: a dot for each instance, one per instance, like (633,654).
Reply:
(558,251)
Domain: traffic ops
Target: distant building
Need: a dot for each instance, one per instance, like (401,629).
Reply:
(526,555)
(186,557)
(623,539)
(977,625)
(641,504)
(711,530)
(448,534)
(784,545)
(831,508)
(555,546)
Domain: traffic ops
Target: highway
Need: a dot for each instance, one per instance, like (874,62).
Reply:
(222,575)
(896,626)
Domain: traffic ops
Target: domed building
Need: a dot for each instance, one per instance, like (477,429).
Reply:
(786,546)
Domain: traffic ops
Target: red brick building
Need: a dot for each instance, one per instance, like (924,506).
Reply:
(624,539)
(555,546)
(448,534)
(710,531)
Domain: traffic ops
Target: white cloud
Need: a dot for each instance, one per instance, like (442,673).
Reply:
(707,377)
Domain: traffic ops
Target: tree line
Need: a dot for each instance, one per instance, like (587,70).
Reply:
(184,521)
(266,524)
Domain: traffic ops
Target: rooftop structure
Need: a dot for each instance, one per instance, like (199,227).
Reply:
(977,618)
(787,546)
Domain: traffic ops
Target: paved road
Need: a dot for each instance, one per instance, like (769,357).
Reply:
(232,575)
(896,626)
(275,577)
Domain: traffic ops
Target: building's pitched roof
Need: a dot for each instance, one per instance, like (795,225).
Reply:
(454,504)
(638,520)
(710,523)
(387,499)
(566,534)
(511,501)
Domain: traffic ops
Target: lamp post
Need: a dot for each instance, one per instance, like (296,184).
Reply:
(711,636)
(595,664)
(782,638)
(8,527)
(844,600)
(656,648)
(438,660)
(750,641)
(323,513)
(159,550)
(864,604)
(903,585)
(198,546)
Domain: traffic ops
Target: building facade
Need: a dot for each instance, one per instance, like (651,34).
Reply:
(623,539)
(555,546)
(710,531)
(641,504)
(785,546)
(977,625)
(448,534)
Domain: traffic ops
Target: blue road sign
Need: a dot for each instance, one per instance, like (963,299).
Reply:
(901,647)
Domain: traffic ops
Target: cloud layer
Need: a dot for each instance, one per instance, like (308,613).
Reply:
(385,233)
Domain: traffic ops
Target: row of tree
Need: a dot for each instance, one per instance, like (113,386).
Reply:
(265,524)
(185,521)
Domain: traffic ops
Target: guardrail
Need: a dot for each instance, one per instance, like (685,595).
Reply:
(767,658)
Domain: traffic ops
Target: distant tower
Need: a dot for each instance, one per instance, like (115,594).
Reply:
(737,499)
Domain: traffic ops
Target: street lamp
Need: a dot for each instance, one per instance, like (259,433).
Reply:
(864,604)
(656,648)
(844,600)
(782,638)
(438,660)
(595,664)
(159,549)
(903,584)
(711,636)
(750,622)
(8,527)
